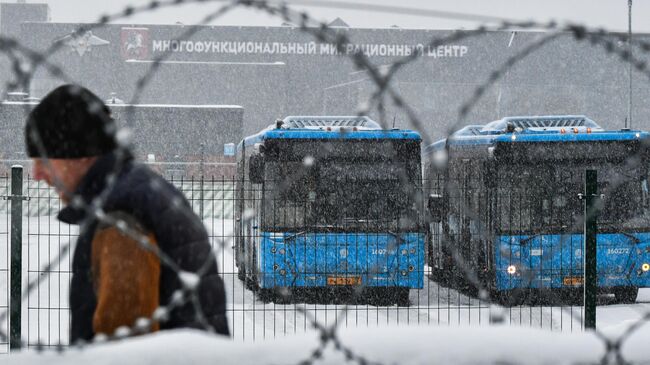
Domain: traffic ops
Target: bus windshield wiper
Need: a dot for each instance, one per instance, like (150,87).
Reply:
(399,238)
(309,229)
(328,227)
(368,220)
(295,235)
(632,237)
(523,241)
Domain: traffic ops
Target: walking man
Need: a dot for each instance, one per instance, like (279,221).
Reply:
(141,250)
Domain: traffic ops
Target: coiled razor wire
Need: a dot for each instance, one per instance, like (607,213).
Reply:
(25,62)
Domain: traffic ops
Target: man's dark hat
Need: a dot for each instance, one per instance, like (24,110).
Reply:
(70,122)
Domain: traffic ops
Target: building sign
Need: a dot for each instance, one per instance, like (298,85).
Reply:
(309,48)
(82,43)
(135,43)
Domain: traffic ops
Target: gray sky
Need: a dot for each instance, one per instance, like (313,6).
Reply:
(608,13)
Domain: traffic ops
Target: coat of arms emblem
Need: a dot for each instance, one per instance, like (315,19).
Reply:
(135,43)
(82,43)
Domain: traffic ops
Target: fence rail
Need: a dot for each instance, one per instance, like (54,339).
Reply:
(5,183)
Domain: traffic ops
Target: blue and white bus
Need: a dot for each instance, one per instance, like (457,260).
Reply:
(330,202)
(505,202)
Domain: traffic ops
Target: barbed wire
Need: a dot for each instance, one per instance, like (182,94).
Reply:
(380,78)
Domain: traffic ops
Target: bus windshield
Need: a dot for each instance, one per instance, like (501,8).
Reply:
(342,186)
(545,198)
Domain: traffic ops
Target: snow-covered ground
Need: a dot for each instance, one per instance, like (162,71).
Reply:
(436,312)
(388,345)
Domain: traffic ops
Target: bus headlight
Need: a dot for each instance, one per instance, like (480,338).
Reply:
(512,269)
(645,267)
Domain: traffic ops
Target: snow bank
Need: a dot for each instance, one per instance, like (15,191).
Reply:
(389,345)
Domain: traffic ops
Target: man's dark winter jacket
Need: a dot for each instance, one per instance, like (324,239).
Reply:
(162,213)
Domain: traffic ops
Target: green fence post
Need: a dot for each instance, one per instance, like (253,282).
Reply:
(16,256)
(590,261)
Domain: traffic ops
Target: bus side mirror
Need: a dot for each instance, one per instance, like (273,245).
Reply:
(435,205)
(256,169)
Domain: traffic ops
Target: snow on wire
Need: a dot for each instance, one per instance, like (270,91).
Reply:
(26,62)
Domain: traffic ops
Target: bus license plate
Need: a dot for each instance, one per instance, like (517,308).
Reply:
(573,280)
(337,280)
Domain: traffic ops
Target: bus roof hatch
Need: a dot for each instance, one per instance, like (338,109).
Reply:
(307,122)
(544,122)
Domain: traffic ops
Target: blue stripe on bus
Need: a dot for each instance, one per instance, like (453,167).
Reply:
(332,135)
(545,261)
(572,137)
(536,137)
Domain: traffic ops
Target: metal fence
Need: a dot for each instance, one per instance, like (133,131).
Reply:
(46,318)
(47,245)
(252,313)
